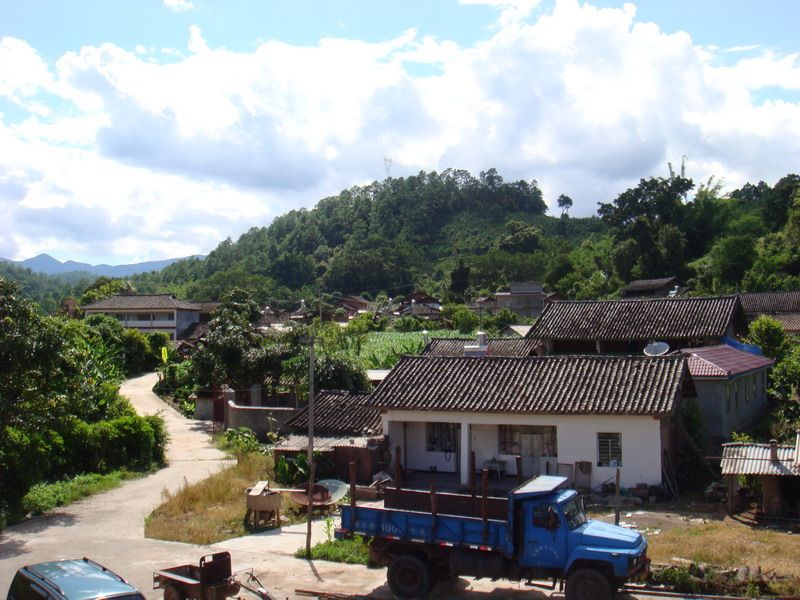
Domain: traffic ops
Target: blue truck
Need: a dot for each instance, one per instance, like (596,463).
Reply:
(545,536)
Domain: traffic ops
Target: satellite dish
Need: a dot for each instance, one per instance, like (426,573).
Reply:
(656,348)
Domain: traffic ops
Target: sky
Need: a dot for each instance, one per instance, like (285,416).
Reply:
(133,131)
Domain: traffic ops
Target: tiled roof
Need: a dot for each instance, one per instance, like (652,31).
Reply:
(207,307)
(526,287)
(754,459)
(789,321)
(520,330)
(755,303)
(648,319)
(723,361)
(495,346)
(589,384)
(142,302)
(338,412)
(195,332)
(646,285)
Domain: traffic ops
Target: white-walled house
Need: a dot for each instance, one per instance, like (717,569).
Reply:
(152,312)
(555,411)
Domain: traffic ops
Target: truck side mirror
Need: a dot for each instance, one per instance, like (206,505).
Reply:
(552,519)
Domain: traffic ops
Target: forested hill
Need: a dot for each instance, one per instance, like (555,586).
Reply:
(389,236)
(457,236)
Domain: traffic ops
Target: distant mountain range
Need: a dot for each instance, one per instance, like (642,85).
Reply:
(44,263)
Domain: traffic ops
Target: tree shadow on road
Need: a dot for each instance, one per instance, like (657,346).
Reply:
(11,546)
(42,522)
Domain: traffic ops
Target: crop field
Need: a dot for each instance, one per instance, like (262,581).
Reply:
(382,349)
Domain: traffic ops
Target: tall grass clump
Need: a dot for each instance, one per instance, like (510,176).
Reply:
(211,510)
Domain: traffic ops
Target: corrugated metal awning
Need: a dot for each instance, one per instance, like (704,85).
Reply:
(755,459)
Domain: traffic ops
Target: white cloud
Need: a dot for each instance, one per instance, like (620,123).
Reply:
(130,158)
(178,5)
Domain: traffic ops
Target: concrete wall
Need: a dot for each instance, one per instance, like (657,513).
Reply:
(577,441)
(204,408)
(731,405)
(418,457)
(256,418)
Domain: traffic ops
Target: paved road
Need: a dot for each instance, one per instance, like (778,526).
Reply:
(109,527)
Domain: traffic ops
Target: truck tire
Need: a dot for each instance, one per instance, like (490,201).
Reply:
(409,577)
(588,584)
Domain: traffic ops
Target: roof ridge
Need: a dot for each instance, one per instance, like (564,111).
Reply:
(666,299)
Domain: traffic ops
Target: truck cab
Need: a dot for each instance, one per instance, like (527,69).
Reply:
(556,537)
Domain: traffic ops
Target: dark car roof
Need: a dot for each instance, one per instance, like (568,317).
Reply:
(82,579)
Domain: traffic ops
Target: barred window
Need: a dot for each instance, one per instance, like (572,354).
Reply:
(609,449)
(440,437)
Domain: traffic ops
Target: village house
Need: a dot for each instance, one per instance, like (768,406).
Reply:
(777,469)
(730,387)
(574,415)
(652,288)
(345,429)
(782,306)
(420,304)
(628,326)
(150,313)
(525,299)
(350,306)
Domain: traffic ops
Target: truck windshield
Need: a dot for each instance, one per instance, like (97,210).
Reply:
(573,512)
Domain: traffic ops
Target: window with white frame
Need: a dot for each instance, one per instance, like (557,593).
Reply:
(440,437)
(609,449)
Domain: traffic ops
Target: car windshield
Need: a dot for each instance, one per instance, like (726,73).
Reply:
(573,512)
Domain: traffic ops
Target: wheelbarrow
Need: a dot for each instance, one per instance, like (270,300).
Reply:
(211,579)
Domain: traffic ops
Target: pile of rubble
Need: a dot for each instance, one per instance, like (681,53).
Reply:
(687,577)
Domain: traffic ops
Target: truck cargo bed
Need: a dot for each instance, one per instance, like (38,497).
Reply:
(421,527)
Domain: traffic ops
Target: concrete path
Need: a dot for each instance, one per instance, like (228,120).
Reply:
(109,528)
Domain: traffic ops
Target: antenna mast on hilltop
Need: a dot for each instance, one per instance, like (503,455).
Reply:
(387,163)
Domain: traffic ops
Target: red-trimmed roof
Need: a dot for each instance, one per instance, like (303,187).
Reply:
(723,361)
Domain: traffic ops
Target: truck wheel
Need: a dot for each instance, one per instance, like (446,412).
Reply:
(588,584)
(409,577)
(172,592)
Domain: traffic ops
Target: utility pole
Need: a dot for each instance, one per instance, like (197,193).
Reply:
(310,505)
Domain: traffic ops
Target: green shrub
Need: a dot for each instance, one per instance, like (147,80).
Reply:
(678,579)
(47,496)
(354,551)
(241,441)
